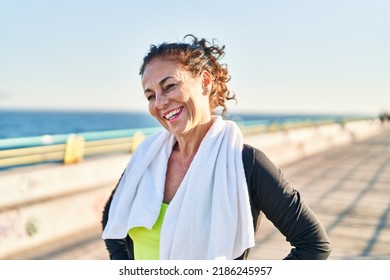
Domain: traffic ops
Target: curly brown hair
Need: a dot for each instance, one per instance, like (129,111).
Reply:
(195,57)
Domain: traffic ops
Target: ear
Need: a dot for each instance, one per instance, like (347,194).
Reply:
(206,82)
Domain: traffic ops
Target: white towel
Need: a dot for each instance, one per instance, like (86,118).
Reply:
(209,216)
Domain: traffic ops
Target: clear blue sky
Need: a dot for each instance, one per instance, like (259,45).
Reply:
(284,56)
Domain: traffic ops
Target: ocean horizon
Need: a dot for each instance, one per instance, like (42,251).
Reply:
(16,123)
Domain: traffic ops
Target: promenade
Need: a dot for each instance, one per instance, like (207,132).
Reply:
(348,187)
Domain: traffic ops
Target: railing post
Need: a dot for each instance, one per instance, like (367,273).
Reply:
(137,138)
(74,149)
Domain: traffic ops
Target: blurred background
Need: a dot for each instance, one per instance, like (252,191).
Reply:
(69,79)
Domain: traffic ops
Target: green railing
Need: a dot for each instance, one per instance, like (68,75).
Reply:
(73,148)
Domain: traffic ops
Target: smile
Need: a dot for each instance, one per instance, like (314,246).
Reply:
(170,116)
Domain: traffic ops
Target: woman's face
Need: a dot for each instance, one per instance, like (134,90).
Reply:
(176,99)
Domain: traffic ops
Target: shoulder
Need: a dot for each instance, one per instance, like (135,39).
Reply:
(255,158)
(248,153)
(265,180)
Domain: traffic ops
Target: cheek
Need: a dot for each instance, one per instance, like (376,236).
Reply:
(152,109)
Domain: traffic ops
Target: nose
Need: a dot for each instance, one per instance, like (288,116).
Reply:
(161,100)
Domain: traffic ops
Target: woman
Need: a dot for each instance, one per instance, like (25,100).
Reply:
(194,190)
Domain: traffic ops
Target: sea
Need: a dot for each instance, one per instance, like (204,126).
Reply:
(29,123)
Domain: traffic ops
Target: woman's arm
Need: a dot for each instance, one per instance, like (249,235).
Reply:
(284,207)
(119,249)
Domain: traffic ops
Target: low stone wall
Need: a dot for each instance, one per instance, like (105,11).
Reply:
(47,202)
(42,203)
(284,147)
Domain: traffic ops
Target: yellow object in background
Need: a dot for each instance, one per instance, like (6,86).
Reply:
(138,137)
(74,149)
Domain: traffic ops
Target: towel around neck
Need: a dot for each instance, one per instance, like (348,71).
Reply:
(209,216)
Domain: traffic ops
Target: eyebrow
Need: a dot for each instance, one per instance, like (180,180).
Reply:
(160,83)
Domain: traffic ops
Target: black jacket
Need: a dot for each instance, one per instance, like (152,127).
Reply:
(269,193)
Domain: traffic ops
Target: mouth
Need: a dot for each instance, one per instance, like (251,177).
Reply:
(173,115)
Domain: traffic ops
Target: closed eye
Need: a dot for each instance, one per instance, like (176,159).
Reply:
(150,97)
(170,87)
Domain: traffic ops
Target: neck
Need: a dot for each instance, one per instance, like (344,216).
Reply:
(187,145)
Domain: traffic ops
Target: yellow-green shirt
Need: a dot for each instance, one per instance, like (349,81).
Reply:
(147,242)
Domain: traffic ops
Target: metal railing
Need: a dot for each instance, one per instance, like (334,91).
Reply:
(73,148)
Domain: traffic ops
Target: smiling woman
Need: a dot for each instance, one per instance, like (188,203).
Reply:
(195,58)
(177,100)
(195,190)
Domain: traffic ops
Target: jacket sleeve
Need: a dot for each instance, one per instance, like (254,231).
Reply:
(283,206)
(118,249)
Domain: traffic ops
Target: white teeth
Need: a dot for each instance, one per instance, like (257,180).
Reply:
(172,113)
